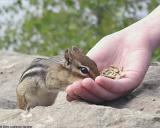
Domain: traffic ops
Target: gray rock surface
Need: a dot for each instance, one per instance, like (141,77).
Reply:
(140,109)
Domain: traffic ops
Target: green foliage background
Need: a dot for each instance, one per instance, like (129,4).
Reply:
(75,22)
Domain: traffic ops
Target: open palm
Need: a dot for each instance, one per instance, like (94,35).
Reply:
(122,49)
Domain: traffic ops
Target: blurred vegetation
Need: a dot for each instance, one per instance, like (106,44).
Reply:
(50,26)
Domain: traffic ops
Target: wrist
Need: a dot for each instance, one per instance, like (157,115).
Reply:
(152,31)
(150,26)
(148,29)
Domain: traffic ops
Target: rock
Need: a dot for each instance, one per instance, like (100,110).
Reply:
(140,109)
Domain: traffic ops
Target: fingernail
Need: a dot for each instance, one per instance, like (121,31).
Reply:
(69,98)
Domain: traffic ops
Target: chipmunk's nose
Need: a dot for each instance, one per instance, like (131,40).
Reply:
(94,75)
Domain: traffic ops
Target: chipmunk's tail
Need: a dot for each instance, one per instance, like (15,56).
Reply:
(21,102)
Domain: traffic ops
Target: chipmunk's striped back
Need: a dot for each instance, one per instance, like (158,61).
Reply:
(39,66)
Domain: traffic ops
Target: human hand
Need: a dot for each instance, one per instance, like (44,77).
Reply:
(126,49)
(130,48)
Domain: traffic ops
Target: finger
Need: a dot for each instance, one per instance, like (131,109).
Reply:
(70,93)
(119,86)
(69,98)
(97,90)
(80,91)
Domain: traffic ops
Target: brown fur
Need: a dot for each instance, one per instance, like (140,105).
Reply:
(40,87)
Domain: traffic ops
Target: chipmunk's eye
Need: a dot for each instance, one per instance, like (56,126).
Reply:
(84,70)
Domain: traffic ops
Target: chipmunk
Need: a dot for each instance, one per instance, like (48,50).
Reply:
(45,77)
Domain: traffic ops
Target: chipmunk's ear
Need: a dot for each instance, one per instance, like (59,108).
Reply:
(68,56)
(76,50)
